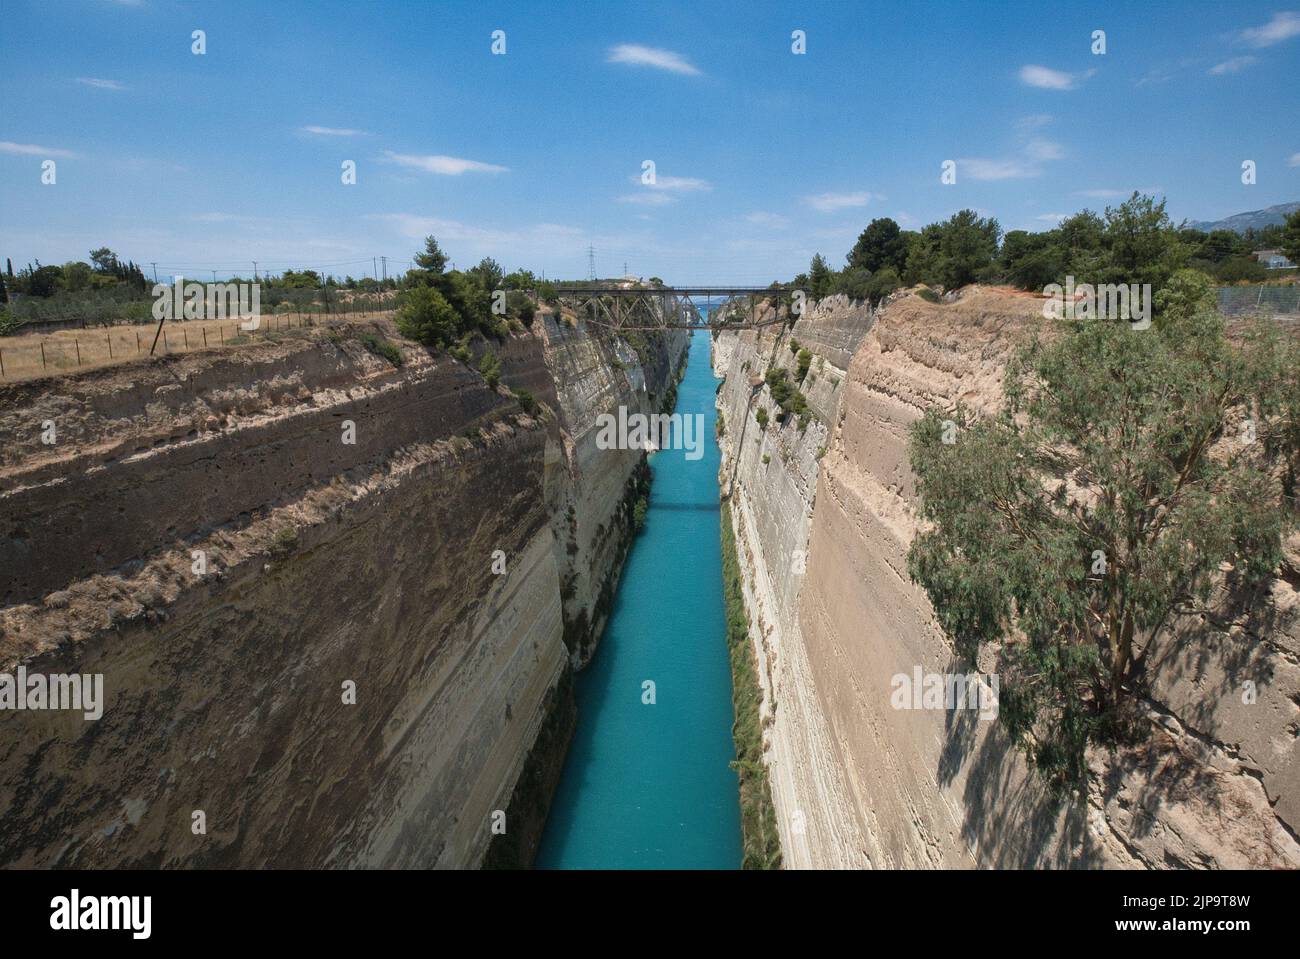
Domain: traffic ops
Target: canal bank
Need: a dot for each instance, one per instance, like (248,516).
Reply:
(648,781)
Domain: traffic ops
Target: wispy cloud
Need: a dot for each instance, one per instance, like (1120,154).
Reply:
(762,218)
(1035,121)
(1233,65)
(1294,161)
(636,55)
(1036,153)
(1051,217)
(680,184)
(443,165)
(100,84)
(1046,78)
(647,198)
(1103,194)
(32,149)
(332,132)
(1283,26)
(830,202)
(660,192)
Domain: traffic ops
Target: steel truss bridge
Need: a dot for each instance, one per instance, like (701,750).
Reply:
(633,308)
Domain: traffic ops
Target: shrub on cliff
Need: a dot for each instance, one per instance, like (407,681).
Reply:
(427,317)
(490,367)
(1076,525)
(805,361)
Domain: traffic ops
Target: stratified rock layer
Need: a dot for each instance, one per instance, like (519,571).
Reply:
(315,652)
(835,617)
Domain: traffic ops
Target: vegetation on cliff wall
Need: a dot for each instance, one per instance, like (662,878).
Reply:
(762,843)
(1125,472)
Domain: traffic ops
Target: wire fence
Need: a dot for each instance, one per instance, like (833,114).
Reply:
(1275,300)
(32,355)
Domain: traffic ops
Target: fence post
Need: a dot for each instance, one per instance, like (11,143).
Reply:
(2,364)
(109,338)
(43,366)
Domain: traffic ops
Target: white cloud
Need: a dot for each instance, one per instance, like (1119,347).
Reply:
(684,183)
(647,198)
(659,192)
(1233,65)
(1104,194)
(444,165)
(1033,122)
(1283,26)
(332,131)
(830,202)
(761,218)
(100,84)
(1294,161)
(1036,152)
(1048,79)
(31,149)
(979,168)
(1039,150)
(1051,217)
(638,56)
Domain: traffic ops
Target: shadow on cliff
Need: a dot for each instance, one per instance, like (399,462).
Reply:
(1009,820)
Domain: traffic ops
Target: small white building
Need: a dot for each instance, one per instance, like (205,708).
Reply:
(1273,260)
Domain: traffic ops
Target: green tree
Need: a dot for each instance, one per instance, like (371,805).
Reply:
(105,260)
(820,278)
(882,283)
(488,273)
(432,258)
(1076,524)
(881,244)
(968,244)
(1141,242)
(427,317)
(1290,243)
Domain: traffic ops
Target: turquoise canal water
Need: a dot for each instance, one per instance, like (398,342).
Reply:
(650,786)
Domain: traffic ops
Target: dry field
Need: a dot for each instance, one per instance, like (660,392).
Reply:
(46,354)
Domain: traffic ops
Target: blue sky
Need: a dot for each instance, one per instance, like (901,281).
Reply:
(762,156)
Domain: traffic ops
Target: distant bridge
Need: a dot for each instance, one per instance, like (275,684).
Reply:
(632,307)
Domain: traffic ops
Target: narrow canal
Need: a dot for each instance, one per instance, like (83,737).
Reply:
(649,786)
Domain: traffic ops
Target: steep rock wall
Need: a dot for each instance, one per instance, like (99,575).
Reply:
(857,783)
(348,681)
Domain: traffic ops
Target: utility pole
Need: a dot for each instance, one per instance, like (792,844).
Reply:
(155,270)
(374,267)
(384,260)
(254,271)
(214,276)
(591,262)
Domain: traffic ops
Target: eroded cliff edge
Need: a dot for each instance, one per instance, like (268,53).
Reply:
(304,638)
(823,522)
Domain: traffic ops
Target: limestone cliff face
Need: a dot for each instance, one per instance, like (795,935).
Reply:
(326,596)
(835,615)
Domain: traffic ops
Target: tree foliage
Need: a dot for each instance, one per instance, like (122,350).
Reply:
(1073,527)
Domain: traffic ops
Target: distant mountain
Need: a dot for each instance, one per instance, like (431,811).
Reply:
(1241,222)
